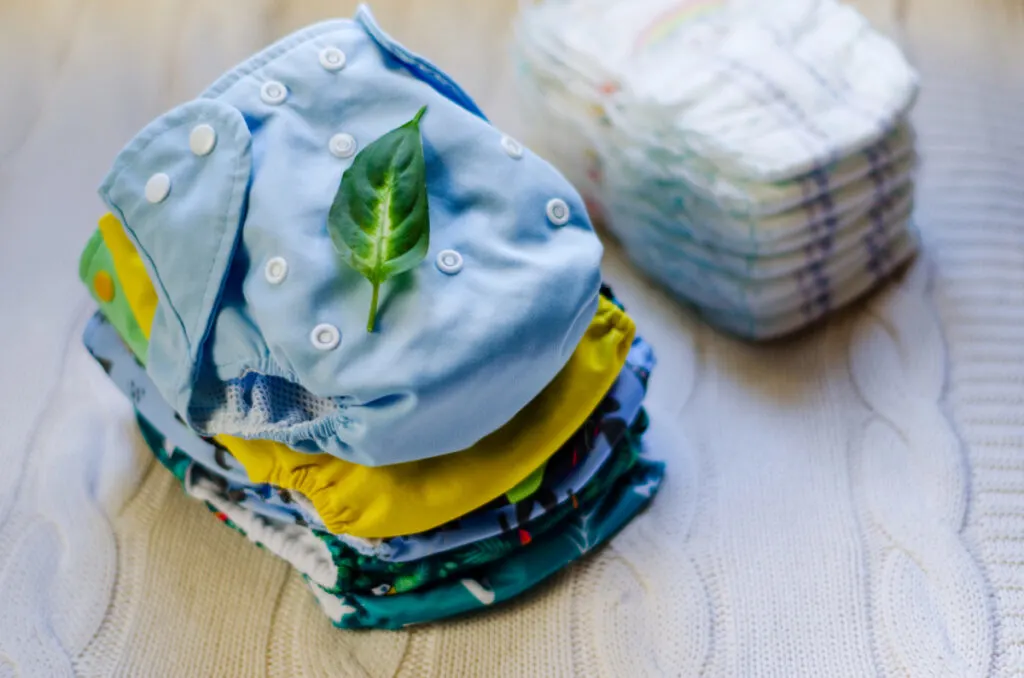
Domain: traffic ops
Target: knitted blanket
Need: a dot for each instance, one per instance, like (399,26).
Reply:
(849,502)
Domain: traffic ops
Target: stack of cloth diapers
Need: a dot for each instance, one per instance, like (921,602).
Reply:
(753,157)
(480,434)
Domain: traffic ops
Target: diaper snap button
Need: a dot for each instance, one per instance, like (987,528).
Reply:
(332,58)
(325,337)
(273,93)
(513,148)
(202,140)
(157,188)
(449,261)
(276,270)
(558,212)
(342,145)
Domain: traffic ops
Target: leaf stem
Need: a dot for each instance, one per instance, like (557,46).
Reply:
(373,308)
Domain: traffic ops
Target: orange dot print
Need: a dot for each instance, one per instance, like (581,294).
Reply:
(103,285)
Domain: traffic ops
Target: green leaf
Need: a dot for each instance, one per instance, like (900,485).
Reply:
(379,222)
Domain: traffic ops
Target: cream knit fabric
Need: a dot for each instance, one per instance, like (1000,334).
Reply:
(847,503)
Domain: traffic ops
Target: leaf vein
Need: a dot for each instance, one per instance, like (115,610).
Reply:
(384,219)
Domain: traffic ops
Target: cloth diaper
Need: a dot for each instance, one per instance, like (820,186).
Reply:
(245,270)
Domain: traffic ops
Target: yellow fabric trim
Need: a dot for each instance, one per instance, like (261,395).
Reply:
(389,501)
(130,271)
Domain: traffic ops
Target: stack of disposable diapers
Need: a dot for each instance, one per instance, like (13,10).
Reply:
(753,157)
(481,431)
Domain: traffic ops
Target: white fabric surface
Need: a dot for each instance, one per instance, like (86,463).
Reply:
(846,503)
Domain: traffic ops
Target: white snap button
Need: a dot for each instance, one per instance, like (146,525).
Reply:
(512,147)
(276,270)
(558,212)
(202,139)
(343,145)
(273,92)
(325,337)
(332,58)
(157,188)
(449,261)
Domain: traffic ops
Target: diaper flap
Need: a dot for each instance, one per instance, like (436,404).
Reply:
(179,188)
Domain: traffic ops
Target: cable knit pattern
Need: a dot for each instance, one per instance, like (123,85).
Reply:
(847,503)
(975,178)
(928,598)
(627,606)
(57,550)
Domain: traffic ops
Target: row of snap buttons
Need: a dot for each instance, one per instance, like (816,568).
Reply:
(203,138)
(324,337)
(201,141)
(557,209)
(273,92)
